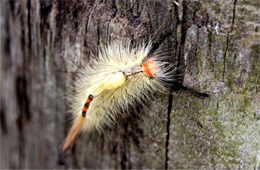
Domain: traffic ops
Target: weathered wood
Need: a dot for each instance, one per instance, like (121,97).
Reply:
(215,43)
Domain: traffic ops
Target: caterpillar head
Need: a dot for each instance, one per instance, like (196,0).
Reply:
(150,67)
(159,69)
(155,68)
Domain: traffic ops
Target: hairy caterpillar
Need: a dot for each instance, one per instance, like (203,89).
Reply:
(121,76)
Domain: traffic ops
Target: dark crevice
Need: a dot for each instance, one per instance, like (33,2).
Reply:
(115,8)
(210,43)
(107,30)
(184,27)
(12,7)
(45,10)
(22,42)
(46,7)
(168,131)
(137,7)
(23,101)
(3,120)
(98,32)
(176,13)
(227,40)
(29,24)
(178,23)
(224,57)
(6,44)
(234,14)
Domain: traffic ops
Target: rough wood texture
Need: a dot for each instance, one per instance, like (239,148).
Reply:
(216,42)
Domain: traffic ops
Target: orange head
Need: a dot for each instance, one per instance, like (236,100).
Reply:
(150,67)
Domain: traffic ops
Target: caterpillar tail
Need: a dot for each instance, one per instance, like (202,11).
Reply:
(74,132)
(71,138)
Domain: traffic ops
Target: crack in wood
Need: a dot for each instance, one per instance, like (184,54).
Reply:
(168,131)
(3,119)
(170,96)
(234,14)
(227,40)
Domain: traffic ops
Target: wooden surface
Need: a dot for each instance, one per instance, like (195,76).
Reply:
(216,42)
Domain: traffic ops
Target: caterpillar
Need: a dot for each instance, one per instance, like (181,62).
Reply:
(121,76)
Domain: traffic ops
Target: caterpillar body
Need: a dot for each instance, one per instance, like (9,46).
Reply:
(120,77)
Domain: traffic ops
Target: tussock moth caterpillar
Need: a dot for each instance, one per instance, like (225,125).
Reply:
(121,76)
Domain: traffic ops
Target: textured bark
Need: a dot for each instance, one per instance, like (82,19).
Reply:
(215,43)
